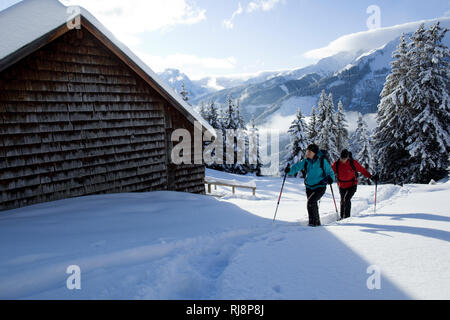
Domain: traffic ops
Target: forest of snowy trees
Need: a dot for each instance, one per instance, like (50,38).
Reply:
(410,143)
(232,129)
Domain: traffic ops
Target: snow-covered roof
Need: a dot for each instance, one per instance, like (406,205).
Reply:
(29,20)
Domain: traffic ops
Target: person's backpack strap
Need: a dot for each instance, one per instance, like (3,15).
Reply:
(322,166)
(353,167)
(322,160)
(324,157)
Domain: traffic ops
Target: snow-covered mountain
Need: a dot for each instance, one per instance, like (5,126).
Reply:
(248,87)
(355,77)
(175,78)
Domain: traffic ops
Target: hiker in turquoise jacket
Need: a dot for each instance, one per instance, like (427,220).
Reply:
(316,179)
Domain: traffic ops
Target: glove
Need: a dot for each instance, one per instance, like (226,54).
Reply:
(375,177)
(330,180)
(287,169)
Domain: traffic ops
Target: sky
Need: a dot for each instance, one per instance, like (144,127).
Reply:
(234,37)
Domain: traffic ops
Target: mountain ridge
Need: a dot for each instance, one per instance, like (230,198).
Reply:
(356,78)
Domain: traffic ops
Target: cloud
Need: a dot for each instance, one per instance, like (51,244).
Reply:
(212,83)
(228,23)
(255,5)
(264,5)
(126,19)
(366,40)
(190,64)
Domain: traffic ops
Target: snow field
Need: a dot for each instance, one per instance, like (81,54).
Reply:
(168,245)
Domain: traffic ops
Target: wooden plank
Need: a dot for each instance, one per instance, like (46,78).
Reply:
(56,77)
(79,58)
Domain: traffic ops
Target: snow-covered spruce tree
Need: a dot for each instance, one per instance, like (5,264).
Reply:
(234,129)
(239,118)
(241,148)
(228,123)
(428,139)
(219,125)
(184,93)
(393,119)
(229,115)
(213,115)
(326,137)
(364,155)
(312,133)
(341,128)
(254,156)
(355,139)
(299,140)
(204,112)
(320,114)
(221,114)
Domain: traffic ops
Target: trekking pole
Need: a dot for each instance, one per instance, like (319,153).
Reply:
(279,197)
(334,200)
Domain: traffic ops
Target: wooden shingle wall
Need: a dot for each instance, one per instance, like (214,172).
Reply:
(186,177)
(75,120)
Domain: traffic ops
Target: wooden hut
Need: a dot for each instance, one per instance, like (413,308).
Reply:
(80,114)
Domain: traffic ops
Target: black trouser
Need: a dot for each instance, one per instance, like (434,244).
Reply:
(346,204)
(313,209)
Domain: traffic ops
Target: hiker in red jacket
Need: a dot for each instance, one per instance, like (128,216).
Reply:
(346,170)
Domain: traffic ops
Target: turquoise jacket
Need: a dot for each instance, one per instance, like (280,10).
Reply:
(315,177)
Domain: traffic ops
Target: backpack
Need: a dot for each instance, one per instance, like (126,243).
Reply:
(322,158)
(351,165)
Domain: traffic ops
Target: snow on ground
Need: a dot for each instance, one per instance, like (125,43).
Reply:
(168,245)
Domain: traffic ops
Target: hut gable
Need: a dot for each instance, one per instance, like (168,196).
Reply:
(78,116)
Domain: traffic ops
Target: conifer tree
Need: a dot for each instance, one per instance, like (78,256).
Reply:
(393,119)
(312,133)
(213,116)
(184,93)
(341,129)
(254,156)
(298,134)
(326,137)
(355,147)
(428,139)
(320,113)
(203,111)
(364,150)
(239,118)
(234,129)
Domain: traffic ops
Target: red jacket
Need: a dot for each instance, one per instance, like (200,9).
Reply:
(346,176)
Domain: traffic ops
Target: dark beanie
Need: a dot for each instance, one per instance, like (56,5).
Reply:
(313,147)
(345,154)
